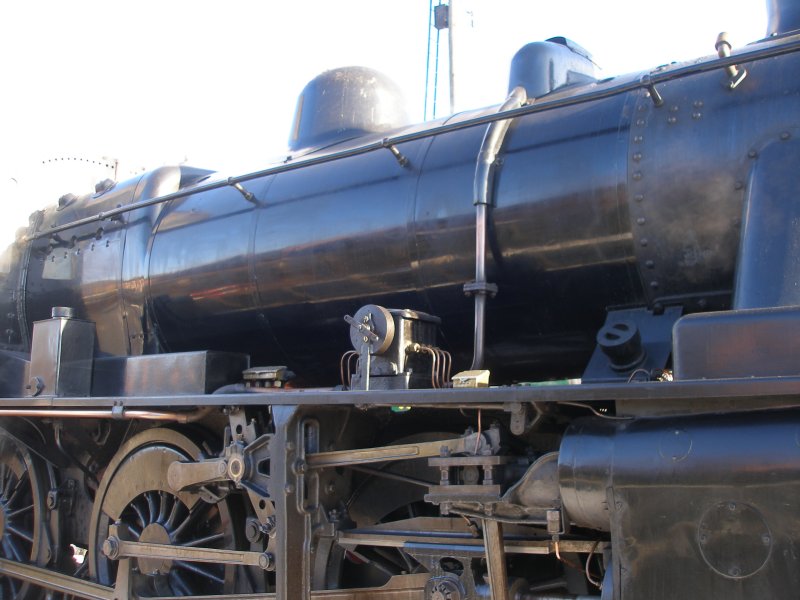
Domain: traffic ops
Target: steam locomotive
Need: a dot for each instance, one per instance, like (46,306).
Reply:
(546,350)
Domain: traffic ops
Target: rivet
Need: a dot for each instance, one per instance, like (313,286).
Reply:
(638,139)
(641,220)
(697,115)
(673,108)
(650,264)
(289,488)
(752,154)
(640,122)
(637,156)
(672,120)
(654,285)
(697,104)
(637,175)
(638,197)
(738,185)
(785,135)
(643,242)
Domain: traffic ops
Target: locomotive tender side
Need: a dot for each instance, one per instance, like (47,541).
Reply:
(260,386)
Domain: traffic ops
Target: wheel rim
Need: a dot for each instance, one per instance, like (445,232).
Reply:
(134,493)
(23,486)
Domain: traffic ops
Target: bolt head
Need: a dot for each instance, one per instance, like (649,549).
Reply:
(111,548)
(252,531)
(266,561)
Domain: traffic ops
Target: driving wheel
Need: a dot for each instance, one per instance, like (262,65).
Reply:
(24,517)
(135,495)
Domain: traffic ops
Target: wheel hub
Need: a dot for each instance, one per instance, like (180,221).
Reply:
(155,533)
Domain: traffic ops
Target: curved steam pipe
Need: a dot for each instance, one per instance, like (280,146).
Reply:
(485,169)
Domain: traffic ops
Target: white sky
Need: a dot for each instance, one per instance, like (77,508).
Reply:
(158,82)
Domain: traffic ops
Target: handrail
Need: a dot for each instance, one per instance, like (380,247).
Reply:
(647,80)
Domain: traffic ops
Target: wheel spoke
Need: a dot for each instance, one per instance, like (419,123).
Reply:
(137,533)
(9,477)
(204,541)
(163,503)
(11,549)
(199,571)
(7,551)
(197,510)
(19,511)
(10,585)
(139,514)
(180,585)
(3,474)
(18,487)
(173,514)
(151,506)
(25,535)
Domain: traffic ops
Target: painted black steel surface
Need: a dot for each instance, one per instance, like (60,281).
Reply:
(695,505)
(784,16)
(611,202)
(345,103)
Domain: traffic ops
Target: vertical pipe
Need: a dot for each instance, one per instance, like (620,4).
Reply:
(428,61)
(451,19)
(483,191)
(480,276)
